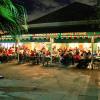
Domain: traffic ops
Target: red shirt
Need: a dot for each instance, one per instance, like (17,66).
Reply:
(77,57)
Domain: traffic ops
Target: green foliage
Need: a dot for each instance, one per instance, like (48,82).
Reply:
(14,18)
(6,13)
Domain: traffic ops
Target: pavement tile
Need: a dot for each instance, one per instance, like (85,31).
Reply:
(86,97)
(50,84)
(1,92)
(70,97)
(90,92)
(51,96)
(98,97)
(25,95)
(99,94)
(98,84)
(14,82)
(38,95)
(5,97)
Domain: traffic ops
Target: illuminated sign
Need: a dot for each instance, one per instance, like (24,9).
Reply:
(74,33)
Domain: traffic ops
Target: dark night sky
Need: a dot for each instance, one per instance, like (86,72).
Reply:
(37,8)
(42,5)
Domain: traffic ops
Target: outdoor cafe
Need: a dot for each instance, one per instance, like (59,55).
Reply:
(55,43)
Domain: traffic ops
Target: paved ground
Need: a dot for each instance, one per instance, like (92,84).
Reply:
(27,82)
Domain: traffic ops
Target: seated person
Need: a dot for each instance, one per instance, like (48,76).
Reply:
(77,57)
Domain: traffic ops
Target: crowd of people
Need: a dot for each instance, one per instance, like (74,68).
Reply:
(64,56)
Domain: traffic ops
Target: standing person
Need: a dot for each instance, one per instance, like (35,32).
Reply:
(37,57)
(71,55)
(61,53)
(43,57)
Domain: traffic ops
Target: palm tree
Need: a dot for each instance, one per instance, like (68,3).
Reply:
(13,19)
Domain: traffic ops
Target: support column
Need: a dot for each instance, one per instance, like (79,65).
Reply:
(92,45)
(17,44)
(51,42)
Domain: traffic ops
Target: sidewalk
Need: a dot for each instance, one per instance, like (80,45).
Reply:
(24,82)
